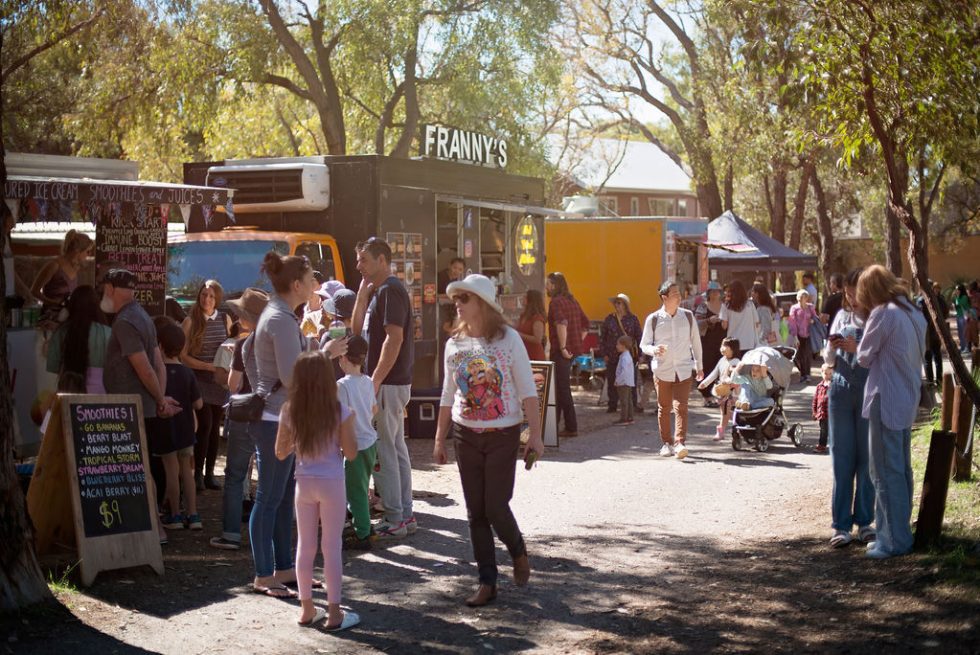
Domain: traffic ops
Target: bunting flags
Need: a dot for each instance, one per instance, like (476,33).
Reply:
(230,210)
(208,211)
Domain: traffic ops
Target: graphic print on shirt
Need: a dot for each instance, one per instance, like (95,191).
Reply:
(479,379)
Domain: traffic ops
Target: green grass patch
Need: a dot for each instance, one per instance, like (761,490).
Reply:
(955,560)
(61,584)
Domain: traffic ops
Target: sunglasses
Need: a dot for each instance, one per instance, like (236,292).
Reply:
(463,298)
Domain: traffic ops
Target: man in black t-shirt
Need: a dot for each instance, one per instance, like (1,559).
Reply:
(385,308)
(834,301)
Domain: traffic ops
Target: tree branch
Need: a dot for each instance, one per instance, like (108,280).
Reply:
(50,43)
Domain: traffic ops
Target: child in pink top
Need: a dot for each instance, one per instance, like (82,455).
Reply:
(315,426)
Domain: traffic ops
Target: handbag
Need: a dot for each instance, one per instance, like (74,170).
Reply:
(245,407)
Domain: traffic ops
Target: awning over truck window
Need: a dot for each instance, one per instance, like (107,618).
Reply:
(65,199)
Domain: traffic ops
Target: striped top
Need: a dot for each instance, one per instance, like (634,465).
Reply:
(215,333)
(892,349)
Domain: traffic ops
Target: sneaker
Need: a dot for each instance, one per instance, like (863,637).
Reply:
(877,553)
(719,435)
(353,543)
(194,521)
(623,423)
(820,449)
(666,450)
(173,522)
(385,531)
(411,525)
(224,544)
(866,533)
(680,452)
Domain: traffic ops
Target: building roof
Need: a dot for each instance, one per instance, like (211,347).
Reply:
(637,166)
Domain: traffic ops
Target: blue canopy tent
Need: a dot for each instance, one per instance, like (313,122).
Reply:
(737,247)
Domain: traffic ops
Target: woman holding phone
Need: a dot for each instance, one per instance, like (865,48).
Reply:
(853,496)
(488,390)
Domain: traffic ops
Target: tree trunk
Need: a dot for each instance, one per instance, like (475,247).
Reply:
(824,227)
(729,183)
(893,244)
(21,580)
(799,208)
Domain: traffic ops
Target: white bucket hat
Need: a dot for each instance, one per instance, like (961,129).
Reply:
(479,285)
(623,297)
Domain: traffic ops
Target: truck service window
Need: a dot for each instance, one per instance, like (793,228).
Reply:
(235,264)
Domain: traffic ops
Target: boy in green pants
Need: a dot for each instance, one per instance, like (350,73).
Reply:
(356,390)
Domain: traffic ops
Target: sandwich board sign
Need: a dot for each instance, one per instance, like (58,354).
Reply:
(91,485)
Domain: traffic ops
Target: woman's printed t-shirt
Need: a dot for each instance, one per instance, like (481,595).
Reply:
(486,381)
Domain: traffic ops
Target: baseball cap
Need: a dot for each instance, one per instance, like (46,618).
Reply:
(120,278)
(341,304)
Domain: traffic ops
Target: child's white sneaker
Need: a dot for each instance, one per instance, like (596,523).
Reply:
(719,435)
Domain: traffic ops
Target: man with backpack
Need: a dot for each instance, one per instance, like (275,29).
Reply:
(672,340)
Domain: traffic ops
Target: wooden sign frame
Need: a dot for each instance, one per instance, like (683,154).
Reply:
(546,401)
(54,499)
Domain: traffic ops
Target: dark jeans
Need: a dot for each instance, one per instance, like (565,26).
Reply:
(804,358)
(934,359)
(563,393)
(209,420)
(487,462)
(824,431)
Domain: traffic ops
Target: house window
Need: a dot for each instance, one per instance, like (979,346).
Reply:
(608,205)
(634,206)
(682,206)
(662,207)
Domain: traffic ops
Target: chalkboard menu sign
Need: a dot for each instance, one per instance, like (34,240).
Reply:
(109,462)
(134,236)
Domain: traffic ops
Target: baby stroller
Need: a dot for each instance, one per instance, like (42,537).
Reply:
(588,370)
(757,427)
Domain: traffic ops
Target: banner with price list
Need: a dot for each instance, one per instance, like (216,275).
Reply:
(91,483)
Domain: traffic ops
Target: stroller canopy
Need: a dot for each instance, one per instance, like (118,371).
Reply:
(780,367)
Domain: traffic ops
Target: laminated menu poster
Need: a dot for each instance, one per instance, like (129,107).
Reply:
(406,265)
(134,237)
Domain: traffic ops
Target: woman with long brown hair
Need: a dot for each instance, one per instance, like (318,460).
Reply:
(59,277)
(532,323)
(488,390)
(206,328)
(740,318)
(316,429)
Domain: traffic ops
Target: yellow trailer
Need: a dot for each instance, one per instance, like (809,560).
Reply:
(601,257)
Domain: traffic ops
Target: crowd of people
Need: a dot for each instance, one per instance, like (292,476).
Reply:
(311,382)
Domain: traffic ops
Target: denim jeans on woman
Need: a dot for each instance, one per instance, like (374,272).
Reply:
(891,472)
(853,497)
(240,448)
(270,527)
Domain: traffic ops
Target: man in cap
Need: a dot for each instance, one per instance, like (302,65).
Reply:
(133,361)
(620,322)
(672,340)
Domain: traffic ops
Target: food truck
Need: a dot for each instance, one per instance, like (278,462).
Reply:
(128,218)
(604,256)
(429,209)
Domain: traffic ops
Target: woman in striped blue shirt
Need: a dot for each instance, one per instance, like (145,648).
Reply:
(892,350)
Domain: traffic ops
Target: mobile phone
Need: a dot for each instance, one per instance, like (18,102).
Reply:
(530,459)
(835,337)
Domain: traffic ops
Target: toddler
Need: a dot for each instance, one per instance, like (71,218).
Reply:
(320,431)
(356,391)
(178,463)
(820,406)
(754,385)
(724,391)
(625,379)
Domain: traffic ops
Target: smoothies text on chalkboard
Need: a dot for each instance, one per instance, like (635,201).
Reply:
(109,462)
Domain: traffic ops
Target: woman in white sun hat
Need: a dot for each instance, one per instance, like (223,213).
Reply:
(488,389)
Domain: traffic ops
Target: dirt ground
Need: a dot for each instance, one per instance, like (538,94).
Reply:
(631,553)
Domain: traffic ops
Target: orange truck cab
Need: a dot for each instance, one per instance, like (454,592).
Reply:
(233,256)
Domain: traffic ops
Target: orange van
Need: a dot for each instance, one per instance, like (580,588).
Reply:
(233,256)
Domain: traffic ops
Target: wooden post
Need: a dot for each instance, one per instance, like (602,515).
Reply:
(963,412)
(947,410)
(932,506)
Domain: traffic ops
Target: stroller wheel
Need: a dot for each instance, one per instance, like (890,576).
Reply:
(762,445)
(736,441)
(796,435)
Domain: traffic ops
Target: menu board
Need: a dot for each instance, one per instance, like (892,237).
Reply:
(406,265)
(542,372)
(109,462)
(134,236)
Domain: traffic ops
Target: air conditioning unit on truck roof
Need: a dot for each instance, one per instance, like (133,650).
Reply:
(280,187)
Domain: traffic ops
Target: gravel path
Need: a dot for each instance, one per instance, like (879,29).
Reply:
(631,552)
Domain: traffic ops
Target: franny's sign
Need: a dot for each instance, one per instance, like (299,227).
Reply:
(459,145)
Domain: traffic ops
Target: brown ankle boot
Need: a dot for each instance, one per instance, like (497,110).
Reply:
(522,570)
(484,594)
